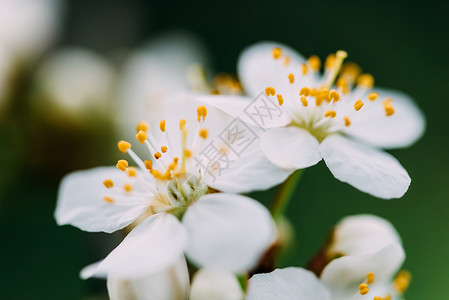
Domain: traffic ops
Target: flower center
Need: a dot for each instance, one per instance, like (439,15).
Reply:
(327,103)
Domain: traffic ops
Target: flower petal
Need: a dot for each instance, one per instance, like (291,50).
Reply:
(402,129)
(228,232)
(215,284)
(80,202)
(243,108)
(250,172)
(287,284)
(258,69)
(171,283)
(343,275)
(363,234)
(290,147)
(154,245)
(369,170)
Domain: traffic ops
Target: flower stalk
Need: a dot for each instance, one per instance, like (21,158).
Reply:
(284,194)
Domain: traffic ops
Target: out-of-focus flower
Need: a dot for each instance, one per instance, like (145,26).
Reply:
(6,75)
(28,27)
(179,193)
(287,284)
(171,283)
(165,65)
(343,123)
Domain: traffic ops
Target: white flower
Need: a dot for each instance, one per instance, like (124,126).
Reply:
(186,213)
(215,284)
(75,81)
(27,27)
(343,123)
(287,284)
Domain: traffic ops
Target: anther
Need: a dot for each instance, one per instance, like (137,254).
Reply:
(291,78)
(334,95)
(132,172)
(108,183)
(162,125)
(164,149)
(358,105)
(314,62)
(142,126)
(182,124)
(330,61)
(388,106)
(128,187)
(286,60)
(350,71)
(148,164)
(122,165)
(141,136)
(108,199)
(330,113)
(304,101)
(366,81)
(363,288)
(201,111)
(123,146)
(373,96)
(304,69)
(270,91)
(347,121)
(276,52)
(203,133)
(187,153)
(402,281)
(305,91)
(157,155)
(280,99)
(370,278)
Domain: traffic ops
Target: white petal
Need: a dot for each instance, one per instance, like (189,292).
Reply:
(171,283)
(250,172)
(215,284)
(287,284)
(259,111)
(80,202)
(369,170)
(258,69)
(343,275)
(228,232)
(402,129)
(363,234)
(290,147)
(154,245)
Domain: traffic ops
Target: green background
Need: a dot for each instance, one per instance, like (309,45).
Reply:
(404,45)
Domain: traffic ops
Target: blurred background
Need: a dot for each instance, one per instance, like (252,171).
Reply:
(70,88)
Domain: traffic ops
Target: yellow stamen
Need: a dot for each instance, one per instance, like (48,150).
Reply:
(304,101)
(182,124)
(157,155)
(343,85)
(335,67)
(358,105)
(203,133)
(347,121)
(128,187)
(148,164)
(277,52)
(314,62)
(132,172)
(291,78)
(162,125)
(334,95)
(373,96)
(108,199)
(363,288)
(142,126)
(366,81)
(187,153)
(280,99)
(164,149)
(173,165)
(377,298)
(156,174)
(141,137)
(184,151)
(108,183)
(402,281)
(304,69)
(270,91)
(388,106)
(305,91)
(286,60)
(329,63)
(370,278)
(350,71)
(122,165)
(330,113)
(123,146)
(201,111)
